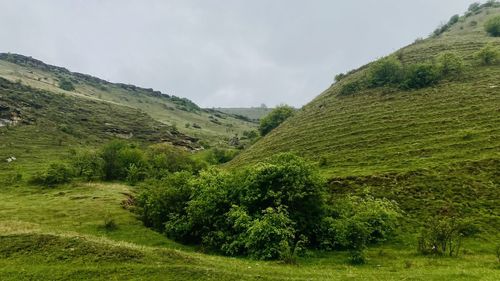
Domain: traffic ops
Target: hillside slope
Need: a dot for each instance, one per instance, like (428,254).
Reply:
(386,129)
(212,127)
(38,126)
(432,150)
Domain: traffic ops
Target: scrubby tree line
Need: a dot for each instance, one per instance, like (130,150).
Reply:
(276,209)
(391,72)
(123,161)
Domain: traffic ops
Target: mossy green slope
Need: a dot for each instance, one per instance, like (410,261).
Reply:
(385,130)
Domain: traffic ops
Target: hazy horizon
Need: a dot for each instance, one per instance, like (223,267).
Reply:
(219,53)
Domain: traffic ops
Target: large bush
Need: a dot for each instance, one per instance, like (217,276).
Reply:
(492,26)
(275,118)
(266,211)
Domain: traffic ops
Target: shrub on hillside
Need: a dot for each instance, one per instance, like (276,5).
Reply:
(421,75)
(88,164)
(474,7)
(65,84)
(492,26)
(118,157)
(165,158)
(450,65)
(270,235)
(163,200)
(339,77)
(386,71)
(442,235)
(219,155)
(488,55)
(275,118)
(374,220)
(57,173)
(350,88)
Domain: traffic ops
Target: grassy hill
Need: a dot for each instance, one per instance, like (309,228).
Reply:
(213,127)
(430,149)
(390,130)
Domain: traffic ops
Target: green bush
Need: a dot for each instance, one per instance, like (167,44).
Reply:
(275,118)
(421,75)
(488,55)
(492,26)
(350,88)
(118,157)
(474,7)
(57,173)
(450,65)
(269,210)
(354,222)
(65,84)
(165,158)
(268,236)
(162,200)
(442,235)
(88,164)
(386,71)
(339,77)
(219,156)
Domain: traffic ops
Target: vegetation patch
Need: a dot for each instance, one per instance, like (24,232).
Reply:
(268,211)
(52,248)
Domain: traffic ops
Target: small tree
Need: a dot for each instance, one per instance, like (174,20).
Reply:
(442,235)
(275,118)
(492,26)
(386,71)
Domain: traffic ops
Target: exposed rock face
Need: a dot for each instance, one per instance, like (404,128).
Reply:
(9,116)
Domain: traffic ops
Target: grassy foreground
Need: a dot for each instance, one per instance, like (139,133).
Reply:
(58,234)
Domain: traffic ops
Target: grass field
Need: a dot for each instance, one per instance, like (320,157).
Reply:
(58,234)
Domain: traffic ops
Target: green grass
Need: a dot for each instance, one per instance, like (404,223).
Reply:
(57,234)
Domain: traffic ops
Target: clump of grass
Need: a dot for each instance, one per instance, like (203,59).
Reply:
(109,223)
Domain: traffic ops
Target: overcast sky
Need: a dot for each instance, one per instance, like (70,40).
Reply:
(219,52)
